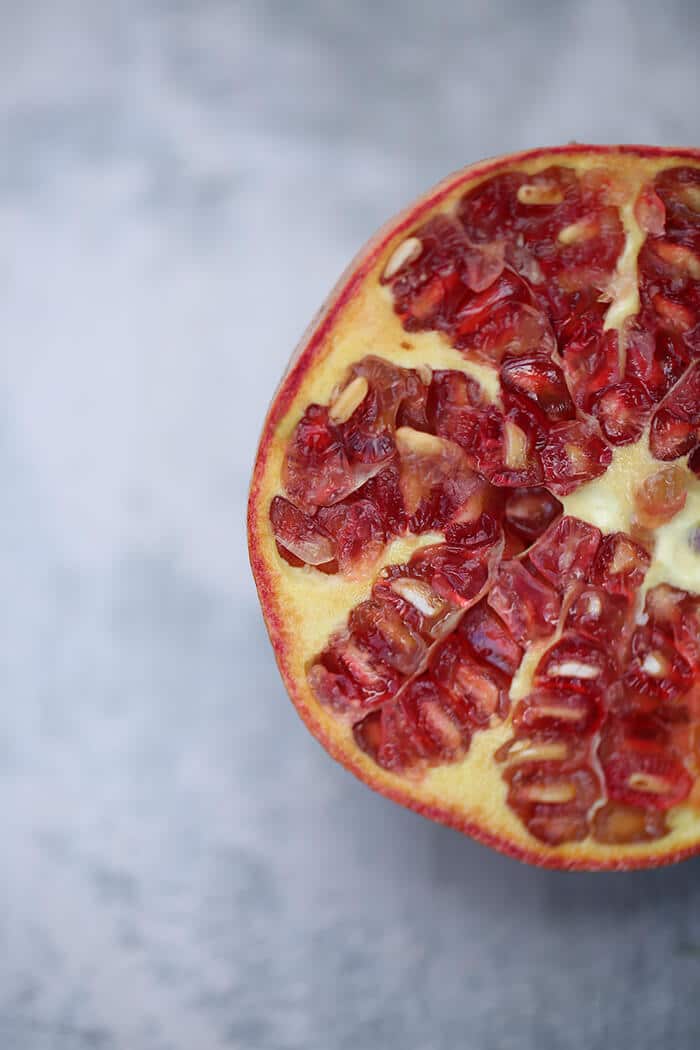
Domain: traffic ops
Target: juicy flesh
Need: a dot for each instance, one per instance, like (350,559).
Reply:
(582,291)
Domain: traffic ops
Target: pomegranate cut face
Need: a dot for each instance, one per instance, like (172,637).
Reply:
(475,513)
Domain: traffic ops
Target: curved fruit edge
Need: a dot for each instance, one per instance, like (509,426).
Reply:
(342,293)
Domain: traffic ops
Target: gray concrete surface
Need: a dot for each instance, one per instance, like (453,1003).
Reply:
(182,867)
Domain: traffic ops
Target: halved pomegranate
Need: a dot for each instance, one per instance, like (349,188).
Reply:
(475,513)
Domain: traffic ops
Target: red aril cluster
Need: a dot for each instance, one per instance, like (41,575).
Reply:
(518,614)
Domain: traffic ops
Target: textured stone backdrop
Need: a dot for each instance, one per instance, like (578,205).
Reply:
(182,867)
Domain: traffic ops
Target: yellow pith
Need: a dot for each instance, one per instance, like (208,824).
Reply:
(309,606)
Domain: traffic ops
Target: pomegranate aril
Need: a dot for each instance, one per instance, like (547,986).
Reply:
(650,781)
(384,491)
(553,806)
(656,670)
(475,311)
(545,752)
(681,259)
(687,632)
(478,430)
(520,463)
(536,379)
(484,692)
(566,551)
(358,533)
(317,471)
(555,828)
(430,284)
(672,315)
(300,534)
(529,511)
(655,358)
(375,678)
(650,212)
(435,479)
(480,536)
(336,689)
(528,606)
(547,710)
(451,391)
(660,496)
(620,565)
(623,411)
(452,576)
(510,330)
(574,453)
(393,388)
(575,663)
(631,731)
(675,427)
(618,824)
(387,635)
(600,616)
(590,358)
(422,726)
(489,639)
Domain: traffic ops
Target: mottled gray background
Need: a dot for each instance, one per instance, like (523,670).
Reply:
(182,867)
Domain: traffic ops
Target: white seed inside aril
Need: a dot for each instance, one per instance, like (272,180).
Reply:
(515,446)
(348,400)
(419,595)
(577,231)
(418,442)
(532,751)
(539,193)
(655,785)
(564,714)
(407,252)
(655,665)
(573,669)
(552,794)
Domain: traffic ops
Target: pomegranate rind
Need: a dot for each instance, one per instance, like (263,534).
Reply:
(470,797)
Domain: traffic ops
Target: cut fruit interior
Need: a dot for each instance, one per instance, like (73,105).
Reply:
(475,513)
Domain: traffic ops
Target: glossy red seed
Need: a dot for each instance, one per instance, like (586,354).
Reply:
(358,533)
(660,497)
(623,411)
(536,380)
(576,663)
(649,781)
(529,511)
(482,689)
(650,212)
(602,617)
(574,453)
(317,471)
(620,564)
(554,822)
(566,551)
(618,824)
(489,639)
(556,711)
(528,606)
(300,534)
(675,426)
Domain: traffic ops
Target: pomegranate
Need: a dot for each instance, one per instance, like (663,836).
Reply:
(475,508)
